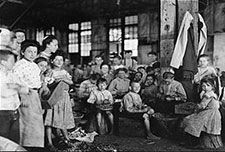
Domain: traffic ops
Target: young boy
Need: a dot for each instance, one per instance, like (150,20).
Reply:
(171,91)
(87,86)
(120,85)
(128,61)
(98,61)
(204,68)
(153,58)
(103,100)
(134,108)
(9,101)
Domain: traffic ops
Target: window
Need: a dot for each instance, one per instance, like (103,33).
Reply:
(115,36)
(130,38)
(85,38)
(50,31)
(131,34)
(41,33)
(84,34)
(73,46)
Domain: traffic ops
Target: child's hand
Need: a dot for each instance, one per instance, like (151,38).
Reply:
(169,98)
(197,108)
(150,111)
(24,104)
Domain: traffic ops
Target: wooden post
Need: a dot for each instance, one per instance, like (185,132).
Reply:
(171,14)
(167,31)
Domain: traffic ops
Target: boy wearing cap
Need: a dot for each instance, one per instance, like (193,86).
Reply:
(10,86)
(171,92)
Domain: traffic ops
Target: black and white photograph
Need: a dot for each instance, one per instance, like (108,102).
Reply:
(112,75)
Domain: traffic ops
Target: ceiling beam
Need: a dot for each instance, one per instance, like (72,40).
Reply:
(15,1)
(2,3)
(23,13)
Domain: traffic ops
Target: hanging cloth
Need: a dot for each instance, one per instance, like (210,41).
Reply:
(202,36)
(181,43)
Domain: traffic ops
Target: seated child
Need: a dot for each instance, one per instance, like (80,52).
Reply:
(134,108)
(138,77)
(120,85)
(103,101)
(87,86)
(170,91)
(204,68)
(149,91)
(207,117)
(105,72)
(116,64)
(142,70)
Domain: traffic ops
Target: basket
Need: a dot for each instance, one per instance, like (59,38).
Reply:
(105,107)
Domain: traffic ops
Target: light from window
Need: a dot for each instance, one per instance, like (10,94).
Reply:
(131,44)
(40,34)
(115,22)
(73,46)
(115,34)
(131,20)
(85,25)
(131,32)
(73,43)
(85,38)
(74,26)
(50,31)
(85,49)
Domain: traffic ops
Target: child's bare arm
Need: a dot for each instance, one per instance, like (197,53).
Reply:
(18,87)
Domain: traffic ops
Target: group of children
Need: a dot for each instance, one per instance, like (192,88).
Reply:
(24,85)
(36,76)
(144,93)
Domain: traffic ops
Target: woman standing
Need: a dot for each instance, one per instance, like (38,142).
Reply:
(31,119)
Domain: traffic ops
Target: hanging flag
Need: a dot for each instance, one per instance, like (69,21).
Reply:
(202,36)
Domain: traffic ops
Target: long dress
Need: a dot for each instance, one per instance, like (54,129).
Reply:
(208,120)
(61,115)
(31,121)
(31,118)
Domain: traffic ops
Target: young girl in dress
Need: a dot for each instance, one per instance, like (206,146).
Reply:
(42,63)
(103,100)
(207,117)
(60,116)
(31,119)
(204,69)
(50,45)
